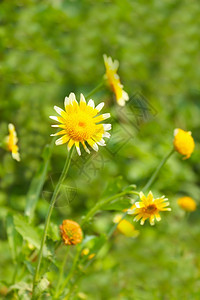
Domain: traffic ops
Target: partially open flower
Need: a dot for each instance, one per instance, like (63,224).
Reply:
(80,123)
(149,208)
(125,227)
(71,232)
(11,142)
(114,80)
(187,203)
(183,142)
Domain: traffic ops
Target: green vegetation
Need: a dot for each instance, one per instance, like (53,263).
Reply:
(50,49)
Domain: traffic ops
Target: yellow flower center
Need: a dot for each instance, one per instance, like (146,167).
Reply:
(81,126)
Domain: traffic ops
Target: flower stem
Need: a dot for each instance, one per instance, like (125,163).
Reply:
(78,249)
(51,206)
(99,204)
(89,215)
(147,185)
(95,90)
(155,174)
(61,272)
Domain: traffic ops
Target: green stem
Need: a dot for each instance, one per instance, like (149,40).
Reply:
(38,182)
(78,249)
(99,204)
(15,273)
(155,174)
(95,90)
(147,185)
(89,215)
(51,206)
(61,272)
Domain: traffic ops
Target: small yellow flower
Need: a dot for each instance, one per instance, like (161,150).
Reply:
(149,208)
(114,80)
(125,227)
(71,232)
(187,203)
(11,142)
(91,256)
(183,142)
(85,251)
(81,123)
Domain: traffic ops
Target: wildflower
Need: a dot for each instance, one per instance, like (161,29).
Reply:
(85,251)
(71,232)
(149,208)
(183,142)
(80,123)
(11,142)
(114,80)
(187,203)
(91,256)
(125,227)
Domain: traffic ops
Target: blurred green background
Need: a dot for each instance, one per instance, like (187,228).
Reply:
(51,48)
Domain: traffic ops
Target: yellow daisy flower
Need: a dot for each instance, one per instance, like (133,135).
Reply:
(187,203)
(125,227)
(11,142)
(71,232)
(114,80)
(81,123)
(183,142)
(149,208)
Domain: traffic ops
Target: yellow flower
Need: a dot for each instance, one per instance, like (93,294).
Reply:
(149,208)
(125,227)
(85,251)
(81,123)
(91,256)
(183,142)
(11,142)
(114,80)
(71,232)
(187,203)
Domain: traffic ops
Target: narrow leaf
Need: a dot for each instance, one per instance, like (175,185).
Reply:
(29,233)
(13,237)
(38,182)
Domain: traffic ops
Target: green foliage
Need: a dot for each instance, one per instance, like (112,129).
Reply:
(51,48)
(28,232)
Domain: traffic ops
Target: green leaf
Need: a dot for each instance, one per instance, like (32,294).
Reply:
(23,286)
(53,232)
(114,186)
(95,242)
(13,237)
(38,182)
(29,267)
(41,286)
(29,233)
